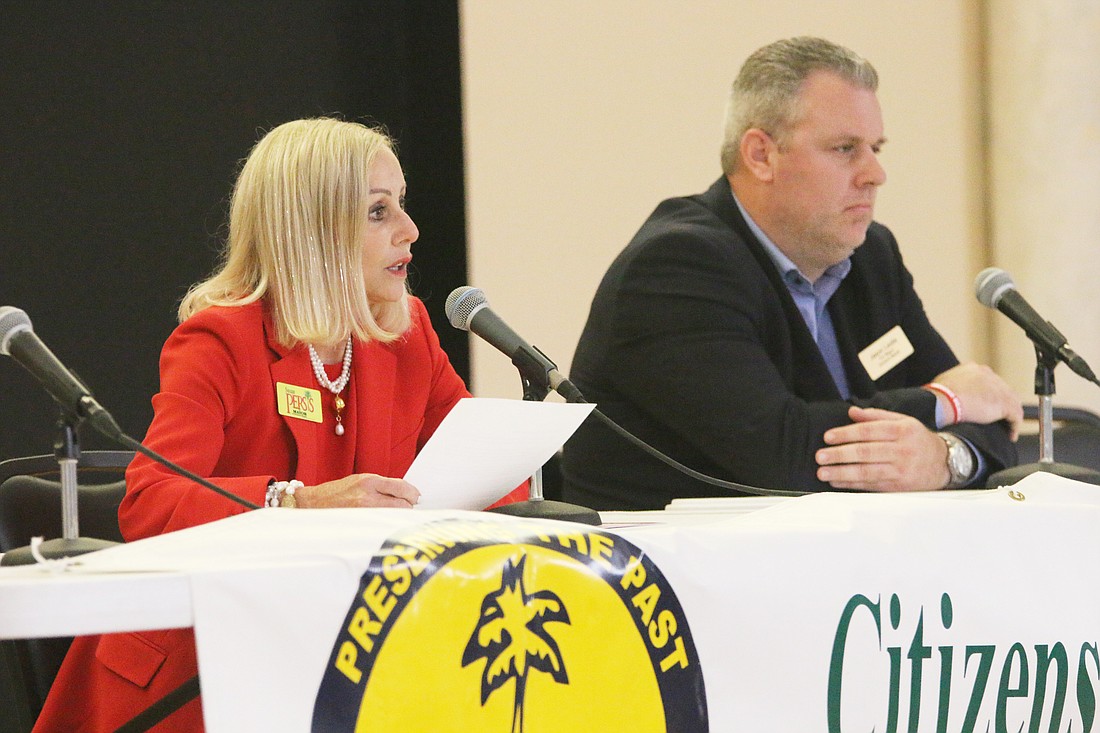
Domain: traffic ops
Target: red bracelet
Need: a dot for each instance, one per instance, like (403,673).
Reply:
(956,404)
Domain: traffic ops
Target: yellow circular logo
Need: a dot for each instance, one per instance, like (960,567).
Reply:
(463,625)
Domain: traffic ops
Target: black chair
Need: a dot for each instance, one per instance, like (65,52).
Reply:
(16,713)
(551,478)
(1076,437)
(30,506)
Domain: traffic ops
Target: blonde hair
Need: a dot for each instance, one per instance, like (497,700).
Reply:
(295,226)
(767,91)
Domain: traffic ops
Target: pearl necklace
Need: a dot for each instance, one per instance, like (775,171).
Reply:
(335,387)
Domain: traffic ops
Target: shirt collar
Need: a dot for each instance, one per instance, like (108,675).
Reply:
(788,269)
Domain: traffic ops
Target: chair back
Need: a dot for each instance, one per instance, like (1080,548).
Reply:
(93,466)
(1076,437)
(30,506)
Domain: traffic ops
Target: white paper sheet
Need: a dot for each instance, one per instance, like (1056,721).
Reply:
(486,447)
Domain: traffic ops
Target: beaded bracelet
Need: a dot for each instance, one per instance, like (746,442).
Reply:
(281,494)
(952,398)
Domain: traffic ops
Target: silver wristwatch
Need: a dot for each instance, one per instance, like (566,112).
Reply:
(960,461)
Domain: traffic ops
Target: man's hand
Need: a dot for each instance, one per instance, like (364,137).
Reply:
(985,397)
(883,451)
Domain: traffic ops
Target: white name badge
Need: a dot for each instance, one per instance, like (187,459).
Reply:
(886,352)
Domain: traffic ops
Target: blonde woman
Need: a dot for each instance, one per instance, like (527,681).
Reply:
(302,374)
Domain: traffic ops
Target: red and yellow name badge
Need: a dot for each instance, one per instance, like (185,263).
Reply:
(300,402)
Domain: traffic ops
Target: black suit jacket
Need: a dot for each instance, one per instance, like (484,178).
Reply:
(694,344)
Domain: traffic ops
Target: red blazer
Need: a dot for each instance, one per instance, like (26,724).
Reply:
(216,415)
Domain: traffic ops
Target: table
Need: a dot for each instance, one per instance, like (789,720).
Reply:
(831,612)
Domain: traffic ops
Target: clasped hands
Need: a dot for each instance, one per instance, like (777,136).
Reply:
(888,451)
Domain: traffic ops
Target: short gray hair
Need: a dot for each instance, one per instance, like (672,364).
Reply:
(765,94)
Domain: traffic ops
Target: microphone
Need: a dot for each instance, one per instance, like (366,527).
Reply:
(995,289)
(19,341)
(468,309)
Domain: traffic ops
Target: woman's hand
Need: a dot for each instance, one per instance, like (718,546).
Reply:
(359,489)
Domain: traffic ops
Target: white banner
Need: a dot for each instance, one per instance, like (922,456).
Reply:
(952,611)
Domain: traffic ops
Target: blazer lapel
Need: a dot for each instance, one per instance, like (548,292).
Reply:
(293,368)
(809,375)
(374,376)
(850,319)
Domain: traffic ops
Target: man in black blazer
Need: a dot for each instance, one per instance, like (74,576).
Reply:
(767,332)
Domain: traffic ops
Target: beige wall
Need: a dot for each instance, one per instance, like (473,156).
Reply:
(582,114)
(1045,160)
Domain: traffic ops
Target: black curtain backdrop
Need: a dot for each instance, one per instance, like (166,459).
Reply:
(122,125)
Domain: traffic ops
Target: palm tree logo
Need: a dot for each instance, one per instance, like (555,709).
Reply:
(511,636)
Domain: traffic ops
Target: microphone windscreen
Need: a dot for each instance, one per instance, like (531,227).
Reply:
(991,285)
(461,304)
(12,321)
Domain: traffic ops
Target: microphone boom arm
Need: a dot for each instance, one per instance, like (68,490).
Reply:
(534,374)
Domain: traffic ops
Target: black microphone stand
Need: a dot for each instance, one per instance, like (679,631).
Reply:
(1044,389)
(70,544)
(537,506)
